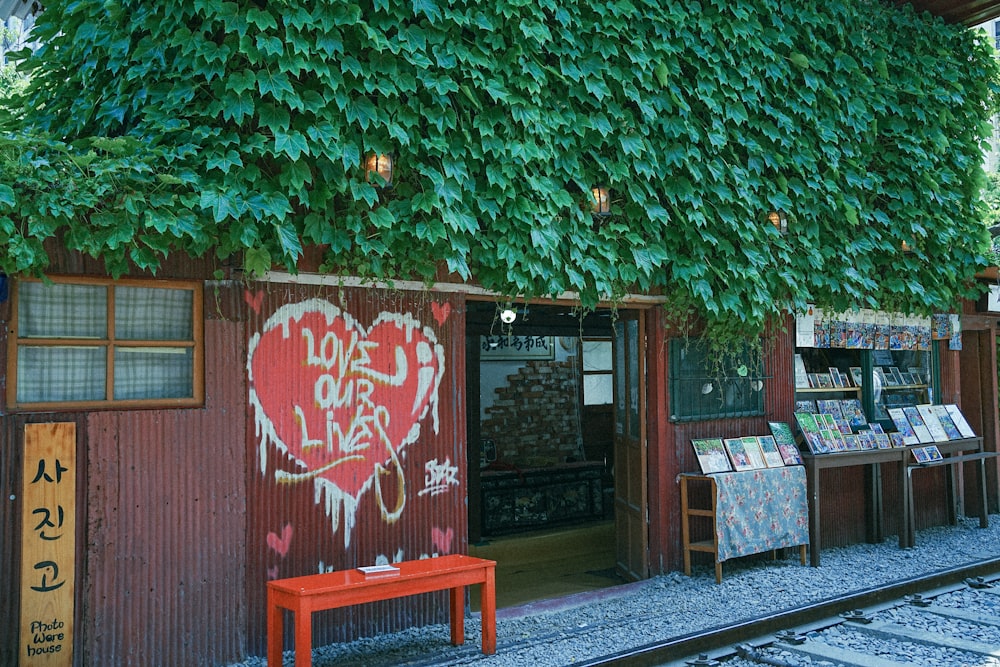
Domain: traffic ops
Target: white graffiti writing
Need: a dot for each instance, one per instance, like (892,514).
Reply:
(438,477)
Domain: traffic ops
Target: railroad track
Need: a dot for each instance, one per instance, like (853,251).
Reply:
(951,615)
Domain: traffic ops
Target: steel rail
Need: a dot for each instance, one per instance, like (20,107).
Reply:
(704,641)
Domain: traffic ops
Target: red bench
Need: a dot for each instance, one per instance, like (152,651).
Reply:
(316,592)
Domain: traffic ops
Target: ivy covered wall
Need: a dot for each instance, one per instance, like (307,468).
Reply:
(206,126)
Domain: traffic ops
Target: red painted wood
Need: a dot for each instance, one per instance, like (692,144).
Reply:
(316,592)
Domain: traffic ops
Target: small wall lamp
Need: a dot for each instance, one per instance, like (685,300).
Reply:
(381,164)
(600,204)
(779,220)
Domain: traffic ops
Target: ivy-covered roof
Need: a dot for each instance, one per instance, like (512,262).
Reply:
(207,126)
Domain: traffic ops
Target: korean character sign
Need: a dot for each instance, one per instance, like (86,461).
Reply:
(48,544)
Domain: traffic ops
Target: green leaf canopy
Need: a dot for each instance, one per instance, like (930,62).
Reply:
(242,128)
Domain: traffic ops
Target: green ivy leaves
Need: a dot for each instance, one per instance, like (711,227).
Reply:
(248,129)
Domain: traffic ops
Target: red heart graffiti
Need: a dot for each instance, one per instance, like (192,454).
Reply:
(338,400)
(281,544)
(442,539)
(254,300)
(441,311)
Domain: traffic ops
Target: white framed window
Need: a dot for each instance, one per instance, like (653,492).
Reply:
(85,343)
(598,371)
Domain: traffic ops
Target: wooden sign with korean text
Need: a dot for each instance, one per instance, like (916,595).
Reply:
(48,544)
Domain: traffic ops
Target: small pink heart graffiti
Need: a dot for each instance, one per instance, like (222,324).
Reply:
(441,312)
(281,544)
(254,300)
(442,539)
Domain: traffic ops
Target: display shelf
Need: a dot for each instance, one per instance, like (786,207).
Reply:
(827,390)
(749,512)
(900,458)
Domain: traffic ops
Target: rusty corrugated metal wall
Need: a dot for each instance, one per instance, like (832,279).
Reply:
(182,519)
(166,524)
(670,448)
(160,518)
(356,443)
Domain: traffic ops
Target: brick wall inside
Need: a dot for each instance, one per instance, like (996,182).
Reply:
(535,418)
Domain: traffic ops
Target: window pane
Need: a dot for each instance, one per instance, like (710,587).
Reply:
(698,393)
(632,333)
(597,355)
(597,389)
(60,374)
(148,313)
(62,311)
(153,372)
(900,378)
(619,378)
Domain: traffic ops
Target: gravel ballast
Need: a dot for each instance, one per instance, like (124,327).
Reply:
(580,628)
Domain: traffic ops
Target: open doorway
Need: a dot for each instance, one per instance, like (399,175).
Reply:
(542,448)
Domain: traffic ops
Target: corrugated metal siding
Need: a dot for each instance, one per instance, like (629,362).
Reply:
(10,465)
(10,475)
(301,526)
(167,522)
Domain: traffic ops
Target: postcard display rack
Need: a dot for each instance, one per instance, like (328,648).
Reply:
(837,436)
(884,360)
(858,363)
(752,493)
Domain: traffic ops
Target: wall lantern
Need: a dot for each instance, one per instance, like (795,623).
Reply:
(779,220)
(381,164)
(508,315)
(600,203)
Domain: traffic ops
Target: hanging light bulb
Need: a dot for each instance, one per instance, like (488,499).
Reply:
(779,220)
(600,204)
(381,164)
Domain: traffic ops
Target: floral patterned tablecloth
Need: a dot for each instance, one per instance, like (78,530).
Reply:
(761,510)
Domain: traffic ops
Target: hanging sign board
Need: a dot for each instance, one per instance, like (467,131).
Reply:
(48,545)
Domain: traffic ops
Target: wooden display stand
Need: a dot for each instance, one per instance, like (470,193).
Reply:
(954,454)
(705,546)
(715,515)
(955,460)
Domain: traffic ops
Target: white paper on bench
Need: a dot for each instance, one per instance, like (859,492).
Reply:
(379,569)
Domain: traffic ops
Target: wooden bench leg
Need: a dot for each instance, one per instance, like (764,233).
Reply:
(718,572)
(303,638)
(457,605)
(802,554)
(275,632)
(488,593)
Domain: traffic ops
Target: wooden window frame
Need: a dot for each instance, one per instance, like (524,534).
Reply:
(110,343)
(610,372)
